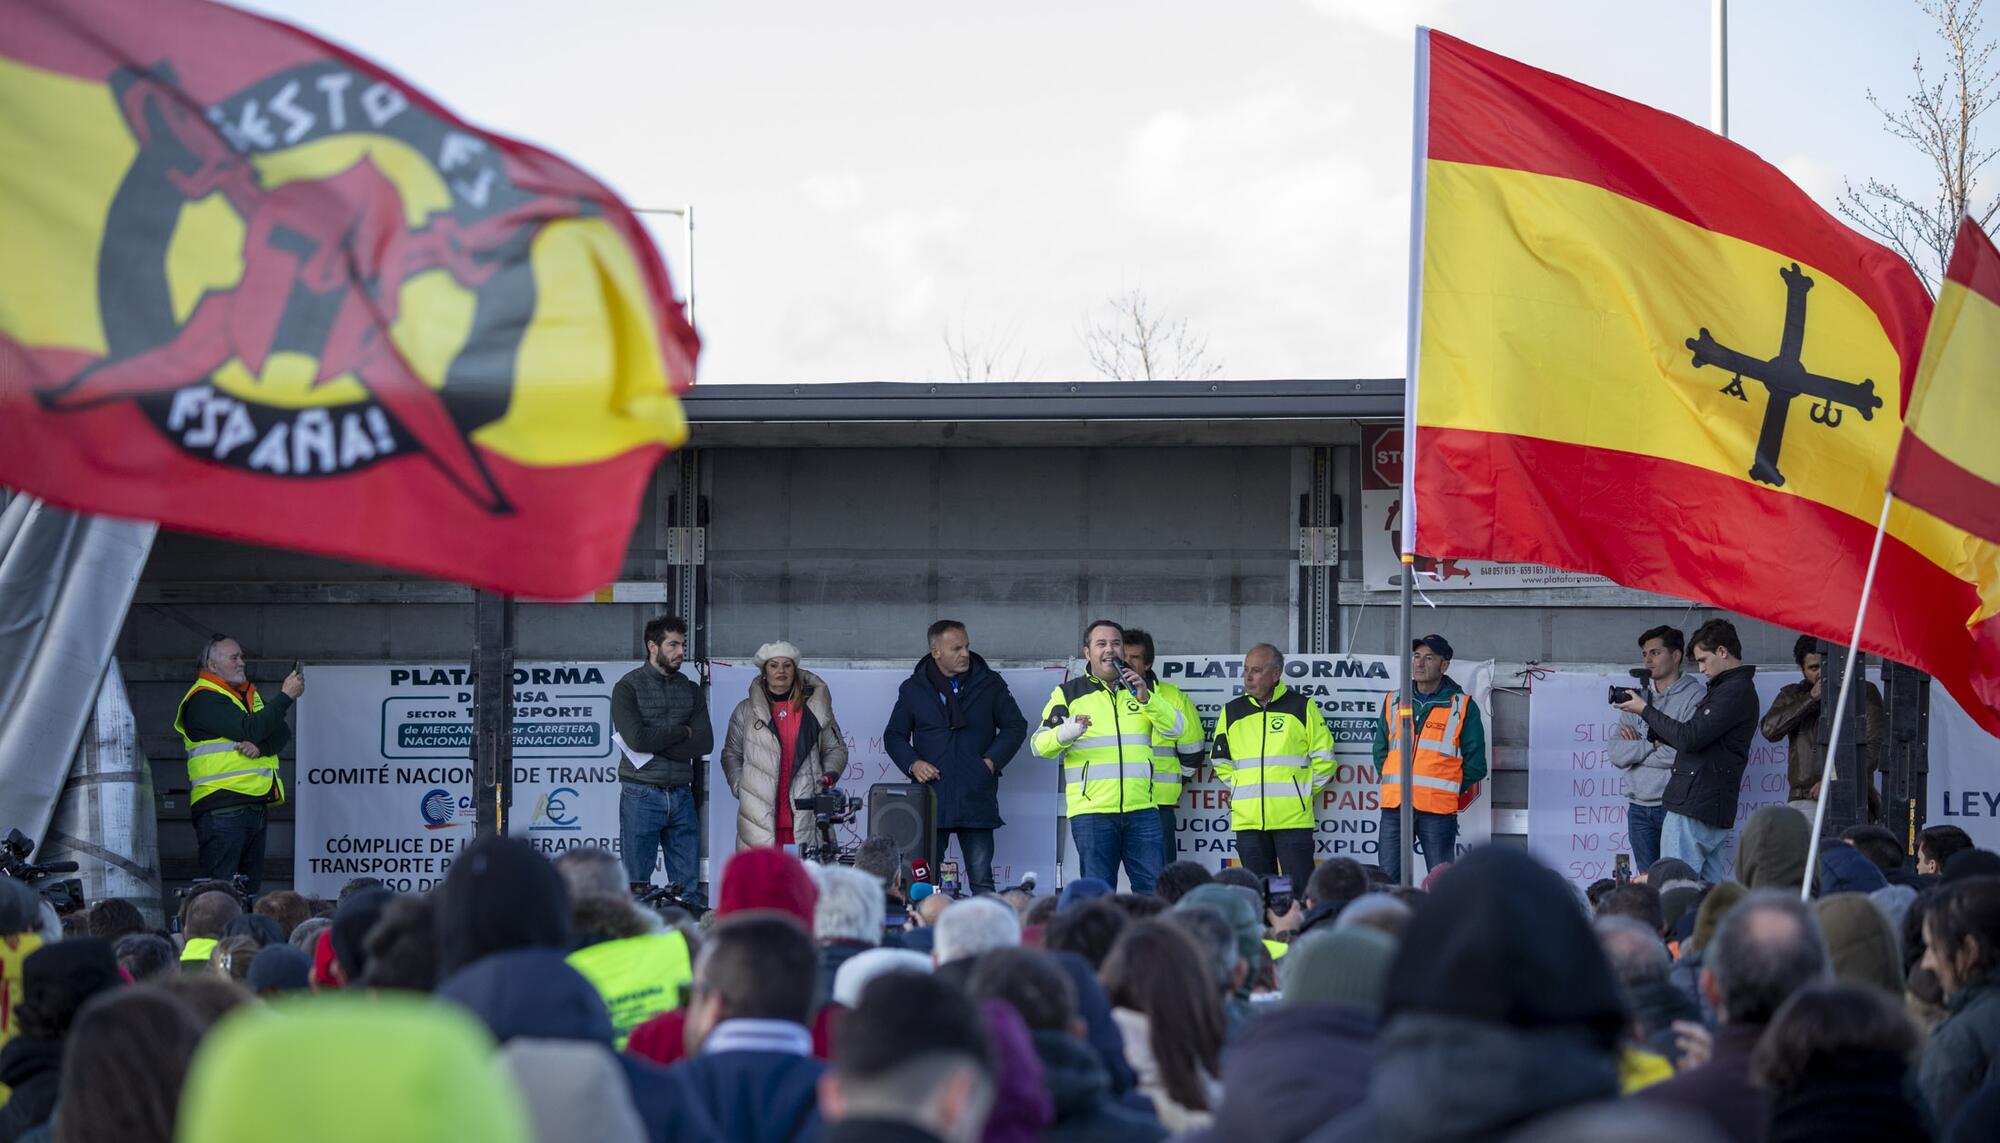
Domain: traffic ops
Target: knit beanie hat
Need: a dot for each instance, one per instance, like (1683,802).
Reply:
(280,968)
(1500,940)
(78,968)
(500,894)
(778,650)
(767,878)
(1724,897)
(1238,907)
(1346,966)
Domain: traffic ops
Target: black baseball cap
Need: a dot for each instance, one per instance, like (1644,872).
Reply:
(1436,643)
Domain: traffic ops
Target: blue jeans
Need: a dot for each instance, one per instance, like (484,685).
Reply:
(651,819)
(1697,844)
(1437,840)
(975,849)
(1170,850)
(1103,840)
(1643,824)
(231,841)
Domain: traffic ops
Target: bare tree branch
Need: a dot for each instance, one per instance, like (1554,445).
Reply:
(1137,343)
(995,356)
(1940,119)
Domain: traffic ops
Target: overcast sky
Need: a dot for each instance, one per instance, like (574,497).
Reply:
(868,176)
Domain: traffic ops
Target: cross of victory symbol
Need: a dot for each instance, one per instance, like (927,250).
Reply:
(1785,377)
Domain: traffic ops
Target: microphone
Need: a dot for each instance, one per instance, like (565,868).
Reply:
(920,868)
(1028,882)
(58,867)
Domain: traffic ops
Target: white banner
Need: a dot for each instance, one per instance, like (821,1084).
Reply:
(385,774)
(1030,794)
(1349,691)
(1576,816)
(1964,783)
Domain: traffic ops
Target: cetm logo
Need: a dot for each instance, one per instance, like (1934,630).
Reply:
(552,811)
(438,808)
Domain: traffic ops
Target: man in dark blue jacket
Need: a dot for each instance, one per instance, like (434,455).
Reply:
(955,727)
(752,1068)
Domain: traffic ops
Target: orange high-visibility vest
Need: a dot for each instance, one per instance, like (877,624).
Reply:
(1435,779)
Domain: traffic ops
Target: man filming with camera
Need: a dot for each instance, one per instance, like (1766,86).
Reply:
(1712,748)
(1644,762)
(232,737)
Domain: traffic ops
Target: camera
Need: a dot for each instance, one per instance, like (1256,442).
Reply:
(664,897)
(830,807)
(66,895)
(1278,894)
(1639,675)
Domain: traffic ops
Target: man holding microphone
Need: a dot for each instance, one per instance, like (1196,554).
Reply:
(1101,725)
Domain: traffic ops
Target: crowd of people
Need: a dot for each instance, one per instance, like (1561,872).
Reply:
(526,998)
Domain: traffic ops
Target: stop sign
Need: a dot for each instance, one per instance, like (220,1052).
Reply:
(1384,446)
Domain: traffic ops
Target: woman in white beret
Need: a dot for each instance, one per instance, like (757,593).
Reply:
(781,739)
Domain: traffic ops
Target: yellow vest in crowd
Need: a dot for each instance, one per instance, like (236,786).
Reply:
(638,977)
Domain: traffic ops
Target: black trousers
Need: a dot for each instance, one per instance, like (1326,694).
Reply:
(1287,852)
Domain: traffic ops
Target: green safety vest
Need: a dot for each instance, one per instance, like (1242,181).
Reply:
(638,977)
(1109,769)
(1276,757)
(198,948)
(1173,755)
(215,763)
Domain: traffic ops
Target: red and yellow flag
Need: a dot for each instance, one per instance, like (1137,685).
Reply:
(1643,352)
(1947,464)
(257,287)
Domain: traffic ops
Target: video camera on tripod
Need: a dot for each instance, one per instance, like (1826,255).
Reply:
(66,895)
(830,807)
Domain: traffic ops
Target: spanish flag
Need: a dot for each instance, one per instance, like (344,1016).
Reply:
(1641,351)
(255,286)
(1947,465)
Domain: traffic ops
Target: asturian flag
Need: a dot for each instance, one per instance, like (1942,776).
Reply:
(1643,352)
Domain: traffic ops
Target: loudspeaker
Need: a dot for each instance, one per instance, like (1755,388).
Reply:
(905,813)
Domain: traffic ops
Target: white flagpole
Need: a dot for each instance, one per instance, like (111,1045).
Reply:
(1404,737)
(1840,709)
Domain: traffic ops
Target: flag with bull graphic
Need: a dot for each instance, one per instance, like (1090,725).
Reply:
(254,286)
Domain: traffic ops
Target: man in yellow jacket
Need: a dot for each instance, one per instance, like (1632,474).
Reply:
(1173,758)
(1273,750)
(1101,725)
(232,737)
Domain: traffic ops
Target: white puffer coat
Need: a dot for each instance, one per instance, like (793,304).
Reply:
(750,760)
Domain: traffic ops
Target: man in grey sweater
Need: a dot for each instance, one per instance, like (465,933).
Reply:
(1644,762)
(662,717)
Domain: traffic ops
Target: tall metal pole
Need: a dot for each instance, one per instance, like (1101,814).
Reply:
(686,215)
(1718,67)
(1402,739)
(492,712)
